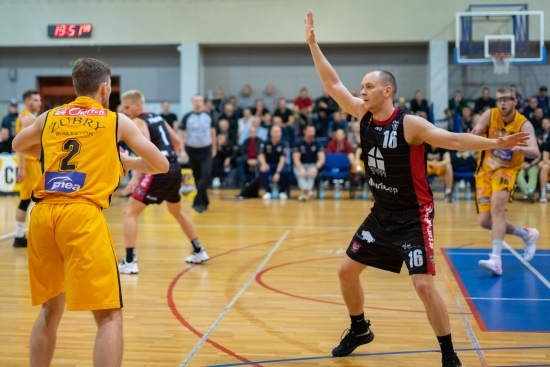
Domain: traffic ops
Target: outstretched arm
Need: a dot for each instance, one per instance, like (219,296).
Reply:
(329,78)
(418,131)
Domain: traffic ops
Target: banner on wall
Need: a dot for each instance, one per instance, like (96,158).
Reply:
(8,173)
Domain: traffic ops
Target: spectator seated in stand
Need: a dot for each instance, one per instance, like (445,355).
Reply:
(464,166)
(419,105)
(303,108)
(439,164)
(274,172)
(309,158)
(337,122)
(222,164)
(339,144)
(248,165)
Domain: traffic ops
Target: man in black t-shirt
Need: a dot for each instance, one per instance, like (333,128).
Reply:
(169,116)
(273,169)
(284,113)
(309,157)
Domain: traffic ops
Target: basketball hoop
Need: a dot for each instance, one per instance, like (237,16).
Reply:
(501,62)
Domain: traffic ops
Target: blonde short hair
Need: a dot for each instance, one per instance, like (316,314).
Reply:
(133,95)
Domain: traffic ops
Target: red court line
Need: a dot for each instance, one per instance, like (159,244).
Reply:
(184,322)
(263,284)
(465,293)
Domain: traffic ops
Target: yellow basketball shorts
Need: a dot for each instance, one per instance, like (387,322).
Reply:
(33,172)
(71,250)
(439,171)
(489,182)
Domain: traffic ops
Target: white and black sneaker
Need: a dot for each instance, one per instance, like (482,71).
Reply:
(197,257)
(125,267)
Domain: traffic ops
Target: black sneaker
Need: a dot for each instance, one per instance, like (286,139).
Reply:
(20,242)
(449,198)
(351,341)
(198,208)
(451,360)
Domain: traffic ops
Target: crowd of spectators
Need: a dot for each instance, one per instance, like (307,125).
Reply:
(244,124)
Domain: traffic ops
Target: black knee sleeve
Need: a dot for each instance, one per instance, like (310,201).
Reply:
(24,204)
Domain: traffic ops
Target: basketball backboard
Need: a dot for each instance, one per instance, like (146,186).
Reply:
(510,29)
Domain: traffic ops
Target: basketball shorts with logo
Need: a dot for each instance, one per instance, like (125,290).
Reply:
(154,189)
(503,179)
(386,239)
(33,172)
(71,250)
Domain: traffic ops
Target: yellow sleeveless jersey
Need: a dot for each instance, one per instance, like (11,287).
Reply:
(80,160)
(493,159)
(18,129)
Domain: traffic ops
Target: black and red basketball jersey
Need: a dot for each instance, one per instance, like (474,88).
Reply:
(160,136)
(396,172)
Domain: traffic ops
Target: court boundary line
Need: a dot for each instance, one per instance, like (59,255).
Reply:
(527,265)
(465,293)
(227,308)
(422,351)
(469,330)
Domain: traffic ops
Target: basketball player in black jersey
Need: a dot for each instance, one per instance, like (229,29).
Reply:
(400,226)
(154,189)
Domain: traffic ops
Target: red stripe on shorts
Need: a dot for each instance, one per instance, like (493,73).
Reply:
(428,233)
(143,186)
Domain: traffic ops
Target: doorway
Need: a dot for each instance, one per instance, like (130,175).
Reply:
(58,90)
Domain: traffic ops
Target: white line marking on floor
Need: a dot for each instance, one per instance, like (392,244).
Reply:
(230,304)
(527,265)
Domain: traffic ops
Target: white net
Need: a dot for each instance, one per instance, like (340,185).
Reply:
(501,62)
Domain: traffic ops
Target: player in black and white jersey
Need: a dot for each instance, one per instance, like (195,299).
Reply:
(400,226)
(154,189)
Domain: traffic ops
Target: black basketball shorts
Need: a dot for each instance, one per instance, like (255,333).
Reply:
(386,239)
(154,189)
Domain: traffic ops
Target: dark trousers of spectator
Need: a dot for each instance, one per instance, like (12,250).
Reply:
(284,178)
(200,160)
(218,169)
(245,172)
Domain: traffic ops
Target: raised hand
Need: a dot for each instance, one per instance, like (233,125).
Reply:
(310,30)
(510,141)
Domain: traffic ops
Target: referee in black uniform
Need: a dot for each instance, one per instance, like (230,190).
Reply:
(199,136)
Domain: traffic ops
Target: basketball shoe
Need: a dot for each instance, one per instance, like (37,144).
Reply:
(494,264)
(125,267)
(351,341)
(197,257)
(529,243)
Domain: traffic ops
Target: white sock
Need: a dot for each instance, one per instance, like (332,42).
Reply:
(497,247)
(520,232)
(448,191)
(542,193)
(19,229)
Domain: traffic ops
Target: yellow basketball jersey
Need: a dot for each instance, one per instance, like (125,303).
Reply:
(493,159)
(18,129)
(80,160)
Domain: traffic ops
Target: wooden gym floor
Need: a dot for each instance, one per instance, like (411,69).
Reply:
(269,296)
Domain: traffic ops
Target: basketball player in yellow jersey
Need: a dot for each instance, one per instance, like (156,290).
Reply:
(29,167)
(496,174)
(71,255)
